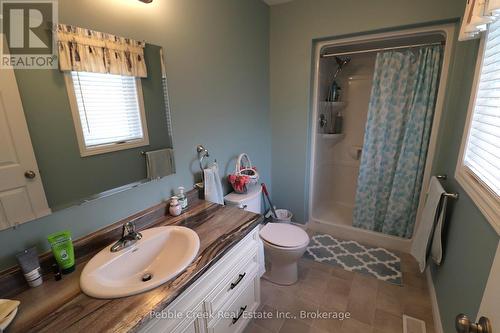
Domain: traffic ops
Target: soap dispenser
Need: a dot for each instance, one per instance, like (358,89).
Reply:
(182,198)
(175,208)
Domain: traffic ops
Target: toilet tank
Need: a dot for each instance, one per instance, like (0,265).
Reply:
(250,201)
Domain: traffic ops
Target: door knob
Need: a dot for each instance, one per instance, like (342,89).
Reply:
(464,325)
(30,174)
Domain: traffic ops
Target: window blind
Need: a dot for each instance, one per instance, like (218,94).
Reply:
(109,108)
(482,155)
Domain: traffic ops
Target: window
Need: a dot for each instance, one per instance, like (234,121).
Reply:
(108,112)
(478,169)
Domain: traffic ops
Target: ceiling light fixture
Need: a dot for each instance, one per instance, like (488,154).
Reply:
(146,1)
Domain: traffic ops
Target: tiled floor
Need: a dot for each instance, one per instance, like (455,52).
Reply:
(375,306)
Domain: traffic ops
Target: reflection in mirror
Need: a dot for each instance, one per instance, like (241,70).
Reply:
(101,123)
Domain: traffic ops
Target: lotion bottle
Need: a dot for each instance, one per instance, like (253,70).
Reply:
(182,198)
(175,207)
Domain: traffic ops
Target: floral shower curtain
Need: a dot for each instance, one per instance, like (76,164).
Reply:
(396,139)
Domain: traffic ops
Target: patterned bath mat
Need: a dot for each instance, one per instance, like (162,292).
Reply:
(352,256)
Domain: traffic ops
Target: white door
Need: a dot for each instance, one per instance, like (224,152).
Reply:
(22,197)
(490,305)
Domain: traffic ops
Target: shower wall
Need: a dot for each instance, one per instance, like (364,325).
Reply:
(337,156)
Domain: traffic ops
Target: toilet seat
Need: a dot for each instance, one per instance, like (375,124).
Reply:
(282,248)
(284,235)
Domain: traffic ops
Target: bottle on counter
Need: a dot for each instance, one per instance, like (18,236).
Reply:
(30,266)
(175,208)
(182,198)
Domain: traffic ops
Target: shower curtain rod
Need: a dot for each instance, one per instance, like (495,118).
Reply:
(327,55)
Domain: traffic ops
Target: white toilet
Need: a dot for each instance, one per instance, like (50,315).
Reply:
(284,243)
(250,201)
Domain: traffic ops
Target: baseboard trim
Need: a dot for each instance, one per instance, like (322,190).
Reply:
(438,324)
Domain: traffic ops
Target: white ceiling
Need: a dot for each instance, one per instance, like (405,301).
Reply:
(275,2)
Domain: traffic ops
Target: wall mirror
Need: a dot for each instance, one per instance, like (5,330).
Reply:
(99,124)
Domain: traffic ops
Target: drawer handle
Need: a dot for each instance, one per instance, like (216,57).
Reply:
(242,309)
(237,282)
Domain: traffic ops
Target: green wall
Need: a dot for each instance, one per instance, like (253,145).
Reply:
(471,241)
(67,177)
(294,28)
(217,59)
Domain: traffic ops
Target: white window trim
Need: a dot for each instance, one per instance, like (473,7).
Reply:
(102,149)
(484,199)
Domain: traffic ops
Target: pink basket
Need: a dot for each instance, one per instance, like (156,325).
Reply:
(244,176)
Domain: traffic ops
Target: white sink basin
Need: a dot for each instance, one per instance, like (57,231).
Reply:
(163,253)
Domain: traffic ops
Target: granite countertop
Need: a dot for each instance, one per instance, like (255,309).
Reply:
(60,306)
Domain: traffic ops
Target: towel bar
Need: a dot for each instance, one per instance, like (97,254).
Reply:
(451,195)
(143,153)
(448,195)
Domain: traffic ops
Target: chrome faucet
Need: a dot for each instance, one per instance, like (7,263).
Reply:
(129,237)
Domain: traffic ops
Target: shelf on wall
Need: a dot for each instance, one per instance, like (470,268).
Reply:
(334,105)
(332,138)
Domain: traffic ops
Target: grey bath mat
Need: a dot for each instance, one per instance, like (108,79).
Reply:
(352,256)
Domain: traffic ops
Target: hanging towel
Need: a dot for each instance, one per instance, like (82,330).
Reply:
(160,163)
(424,233)
(213,185)
(437,244)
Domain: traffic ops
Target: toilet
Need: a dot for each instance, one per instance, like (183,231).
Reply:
(250,201)
(284,243)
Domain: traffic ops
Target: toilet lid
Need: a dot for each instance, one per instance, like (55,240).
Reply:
(284,235)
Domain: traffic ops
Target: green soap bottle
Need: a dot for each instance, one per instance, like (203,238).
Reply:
(62,248)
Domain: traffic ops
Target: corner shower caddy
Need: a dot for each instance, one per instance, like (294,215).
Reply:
(332,108)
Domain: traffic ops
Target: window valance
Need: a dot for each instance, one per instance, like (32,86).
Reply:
(478,14)
(86,50)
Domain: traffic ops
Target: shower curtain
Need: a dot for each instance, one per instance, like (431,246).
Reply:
(396,139)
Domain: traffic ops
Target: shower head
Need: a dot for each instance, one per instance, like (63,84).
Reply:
(342,61)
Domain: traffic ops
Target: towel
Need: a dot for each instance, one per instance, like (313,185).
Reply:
(437,240)
(6,308)
(160,163)
(431,214)
(212,184)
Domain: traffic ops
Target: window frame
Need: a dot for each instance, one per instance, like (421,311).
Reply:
(487,202)
(111,147)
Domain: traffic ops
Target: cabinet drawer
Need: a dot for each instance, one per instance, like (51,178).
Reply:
(231,319)
(233,283)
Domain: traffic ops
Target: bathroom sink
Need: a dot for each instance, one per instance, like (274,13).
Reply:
(161,255)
